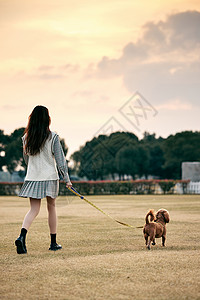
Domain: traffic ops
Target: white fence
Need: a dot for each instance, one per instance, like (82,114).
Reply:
(193,187)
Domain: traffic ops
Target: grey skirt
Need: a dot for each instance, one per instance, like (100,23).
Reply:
(39,189)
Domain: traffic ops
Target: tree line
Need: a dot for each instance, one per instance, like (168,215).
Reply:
(119,153)
(123,153)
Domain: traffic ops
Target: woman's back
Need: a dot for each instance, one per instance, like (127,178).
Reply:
(42,166)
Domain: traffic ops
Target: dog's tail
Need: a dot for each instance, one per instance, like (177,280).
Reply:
(150,213)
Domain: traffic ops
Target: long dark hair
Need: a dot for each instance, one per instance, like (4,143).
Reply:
(37,130)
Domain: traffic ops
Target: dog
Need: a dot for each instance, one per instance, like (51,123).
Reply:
(156,228)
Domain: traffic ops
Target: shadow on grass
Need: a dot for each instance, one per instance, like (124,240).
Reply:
(175,248)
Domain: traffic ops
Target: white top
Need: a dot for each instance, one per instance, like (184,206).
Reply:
(42,166)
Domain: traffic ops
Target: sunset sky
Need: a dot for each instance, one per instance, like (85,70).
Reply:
(85,59)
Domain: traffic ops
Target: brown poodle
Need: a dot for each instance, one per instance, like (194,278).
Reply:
(157,228)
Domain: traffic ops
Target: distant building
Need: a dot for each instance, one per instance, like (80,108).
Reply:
(191,171)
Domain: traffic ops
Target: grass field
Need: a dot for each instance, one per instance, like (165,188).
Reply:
(101,259)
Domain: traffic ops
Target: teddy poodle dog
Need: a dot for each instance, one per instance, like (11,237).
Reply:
(156,227)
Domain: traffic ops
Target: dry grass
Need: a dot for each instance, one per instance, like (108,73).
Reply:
(101,259)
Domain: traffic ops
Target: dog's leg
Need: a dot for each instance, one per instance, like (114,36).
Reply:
(151,239)
(163,240)
(146,238)
(149,245)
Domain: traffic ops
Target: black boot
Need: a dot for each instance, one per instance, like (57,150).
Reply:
(54,246)
(21,242)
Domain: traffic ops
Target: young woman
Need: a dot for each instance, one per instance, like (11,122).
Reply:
(44,157)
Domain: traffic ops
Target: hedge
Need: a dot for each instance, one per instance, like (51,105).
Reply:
(109,187)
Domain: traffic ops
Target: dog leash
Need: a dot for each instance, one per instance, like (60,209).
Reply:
(72,189)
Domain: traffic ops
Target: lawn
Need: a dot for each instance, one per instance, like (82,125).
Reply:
(101,259)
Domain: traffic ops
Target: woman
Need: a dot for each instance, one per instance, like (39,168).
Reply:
(43,155)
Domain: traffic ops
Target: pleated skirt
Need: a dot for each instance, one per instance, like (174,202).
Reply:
(39,189)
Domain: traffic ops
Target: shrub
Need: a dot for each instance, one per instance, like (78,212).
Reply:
(167,185)
(106,187)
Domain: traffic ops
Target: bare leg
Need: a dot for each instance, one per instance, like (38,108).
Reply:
(32,213)
(52,219)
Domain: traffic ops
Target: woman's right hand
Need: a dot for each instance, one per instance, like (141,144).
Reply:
(68,184)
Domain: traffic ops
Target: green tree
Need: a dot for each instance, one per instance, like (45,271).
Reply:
(3,142)
(143,161)
(156,160)
(178,148)
(155,152)
(132,160)
(14,151)
(127,161)
(96,159)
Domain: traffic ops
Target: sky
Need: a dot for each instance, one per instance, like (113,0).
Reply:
(101,66)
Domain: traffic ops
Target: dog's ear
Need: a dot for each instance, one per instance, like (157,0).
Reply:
(166,216)
(158,214)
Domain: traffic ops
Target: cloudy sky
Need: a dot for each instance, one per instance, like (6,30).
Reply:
(101,66)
